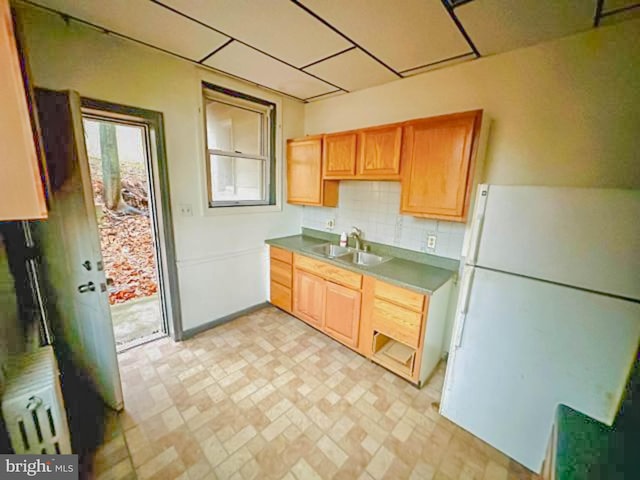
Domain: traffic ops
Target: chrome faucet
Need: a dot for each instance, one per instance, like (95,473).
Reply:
(356,234)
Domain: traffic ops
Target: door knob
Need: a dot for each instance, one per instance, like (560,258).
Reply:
(87,287)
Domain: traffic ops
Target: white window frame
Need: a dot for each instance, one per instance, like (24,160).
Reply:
(267,148)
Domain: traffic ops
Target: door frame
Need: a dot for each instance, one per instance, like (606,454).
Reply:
(160,197)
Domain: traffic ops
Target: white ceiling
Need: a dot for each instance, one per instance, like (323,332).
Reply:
(497,27)
(404,34)
(312,49)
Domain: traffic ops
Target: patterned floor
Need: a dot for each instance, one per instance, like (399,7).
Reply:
(267,397)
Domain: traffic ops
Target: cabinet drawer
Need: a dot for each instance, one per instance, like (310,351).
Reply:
(397,322)
(279,254)
(400,296)
(281,296)
(329,272)
(281,272)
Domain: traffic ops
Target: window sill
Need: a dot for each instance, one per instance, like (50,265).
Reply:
(213,211)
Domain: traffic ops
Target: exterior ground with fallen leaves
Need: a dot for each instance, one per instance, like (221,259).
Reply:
(126,236)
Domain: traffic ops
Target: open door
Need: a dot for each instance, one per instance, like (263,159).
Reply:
(71,246)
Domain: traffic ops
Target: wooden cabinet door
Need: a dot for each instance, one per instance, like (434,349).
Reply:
(339,155)
(342,314)
(304,171)
(379,155)
(308,297)
(21,191)
(280,296)
(437,158)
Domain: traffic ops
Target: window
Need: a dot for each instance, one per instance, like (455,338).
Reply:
(240,148)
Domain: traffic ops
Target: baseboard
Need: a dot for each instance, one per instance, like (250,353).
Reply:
(186,334)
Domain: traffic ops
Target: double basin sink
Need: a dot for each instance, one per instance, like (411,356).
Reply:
(348,255)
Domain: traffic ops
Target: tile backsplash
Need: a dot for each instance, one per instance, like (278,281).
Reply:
(374,208)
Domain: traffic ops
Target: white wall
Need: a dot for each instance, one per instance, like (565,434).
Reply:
(564,112)
(221,259)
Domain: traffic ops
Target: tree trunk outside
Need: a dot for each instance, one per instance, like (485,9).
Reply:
(112,190)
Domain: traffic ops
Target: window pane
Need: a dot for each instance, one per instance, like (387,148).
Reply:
(237,179)
(233,129)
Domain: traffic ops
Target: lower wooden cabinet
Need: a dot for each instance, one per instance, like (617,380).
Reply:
(342,313)
(281,296)
(400,329)
(308,297)
(281,278)
(397,322)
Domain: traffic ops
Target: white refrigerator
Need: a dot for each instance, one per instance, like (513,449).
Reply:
(548,313)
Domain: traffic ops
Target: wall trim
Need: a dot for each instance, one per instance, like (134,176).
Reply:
(219,256)
(186,334)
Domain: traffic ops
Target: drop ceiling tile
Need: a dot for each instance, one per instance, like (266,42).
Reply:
(403,35)
(444,63)
(325,96)
(500,25)
(614,11)
(278,27)
(144,21)
(244,62)
(352,70)
(620,16)
(610,5)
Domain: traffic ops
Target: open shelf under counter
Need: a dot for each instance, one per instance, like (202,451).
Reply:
(394,355)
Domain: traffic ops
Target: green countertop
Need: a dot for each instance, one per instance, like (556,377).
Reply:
(415,275)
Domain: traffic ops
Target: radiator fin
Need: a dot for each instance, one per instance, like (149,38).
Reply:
(33,407)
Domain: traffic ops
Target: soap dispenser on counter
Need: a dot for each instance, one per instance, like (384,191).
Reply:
(343,239)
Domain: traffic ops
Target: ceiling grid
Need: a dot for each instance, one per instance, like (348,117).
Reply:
(315,49)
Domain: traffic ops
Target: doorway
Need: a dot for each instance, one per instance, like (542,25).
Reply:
(127,168)
(119,165)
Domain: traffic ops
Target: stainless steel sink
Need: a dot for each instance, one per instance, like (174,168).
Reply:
(331,251)
(364,259)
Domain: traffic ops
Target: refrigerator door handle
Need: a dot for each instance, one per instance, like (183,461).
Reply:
(475,239)
(465,296)
(477,224)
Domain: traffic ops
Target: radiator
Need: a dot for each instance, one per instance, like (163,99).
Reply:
(33,408)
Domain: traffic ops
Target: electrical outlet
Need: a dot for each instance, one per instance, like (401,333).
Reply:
(186,210)
(331,224)
(431,241)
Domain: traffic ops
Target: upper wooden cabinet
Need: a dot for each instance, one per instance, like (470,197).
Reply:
(339,155)
(379,153)
(434,158)
(437,160)
(368,154)
(21,190)
(305,185)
